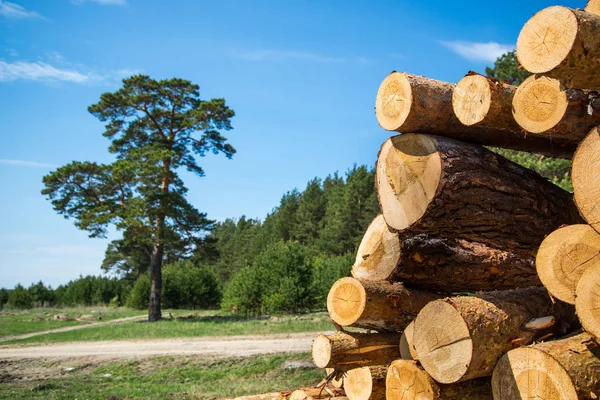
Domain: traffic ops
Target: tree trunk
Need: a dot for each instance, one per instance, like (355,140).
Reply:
(405,380)
(382,306)
(439,186)
(462,338)
(415,104)
(366,383)
(560,369)
(154,312)
(438,264)
(584,175)
(543,106)
(562,43)
(593,6)
(587,302)
(346,350)
(407,345)
(564,256)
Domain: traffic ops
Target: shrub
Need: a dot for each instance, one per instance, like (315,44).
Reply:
(3,297)
(186,285)
(19,297)
(327,270)
(140,293)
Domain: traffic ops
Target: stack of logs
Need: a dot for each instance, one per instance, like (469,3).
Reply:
(480,279)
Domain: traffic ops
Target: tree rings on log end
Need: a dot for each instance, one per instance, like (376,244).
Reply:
(586,185)
(539,104)
(405,380)
(587,302)
(321,351)
(358,384)
(346,301)
(546,39)
(394,101)
(408,174)
(442,342)
(471,99)
(527,373)
(378,253)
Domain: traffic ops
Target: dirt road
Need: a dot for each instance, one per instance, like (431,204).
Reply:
(213,347)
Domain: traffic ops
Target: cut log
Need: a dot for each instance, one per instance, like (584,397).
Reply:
(337,379)
(562,43)
(347,350)
(564,256)
(481,101)
(587,302)
(326,392)
(265,396)
(439,186)
(462,338)
(366,383)
(408,103)
(584,175)
(407,345)
(561,369)
(405,380)
(382,306)
(441,265)
(543,106)
(593,6)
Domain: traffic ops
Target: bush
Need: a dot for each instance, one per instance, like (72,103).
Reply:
(91,290)
(3,297)
(278,282)
(19,297)
(42,296)
(186,285)
(140,293)
(327,270)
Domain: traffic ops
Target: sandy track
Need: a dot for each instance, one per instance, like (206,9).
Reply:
(213,347)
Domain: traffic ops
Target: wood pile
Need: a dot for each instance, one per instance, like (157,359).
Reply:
(480,279)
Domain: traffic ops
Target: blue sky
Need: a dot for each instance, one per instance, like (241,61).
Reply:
(300,75)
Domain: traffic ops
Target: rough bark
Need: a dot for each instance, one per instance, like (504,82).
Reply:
(382,306)
(154,312)
(366,383)
(562,43)
(562,369)
(462,338)
(407,345)
(445,188)
(543,106)
(587,302)
(415,104)
(564,256)
(347,350)
(406,380)
(584,175)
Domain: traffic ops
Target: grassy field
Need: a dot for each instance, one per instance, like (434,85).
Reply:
(157,377)
(198,323)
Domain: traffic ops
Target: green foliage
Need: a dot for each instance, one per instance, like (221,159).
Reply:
(186,285)
(507,69)
(41,294)
(3,297)
(91,290)
(140,293)
(327,270)
(19,297)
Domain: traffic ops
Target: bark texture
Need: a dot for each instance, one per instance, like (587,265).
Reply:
(562,369)
(462,338)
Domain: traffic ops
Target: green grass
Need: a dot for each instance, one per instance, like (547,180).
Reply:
(165,377)
(200,324)
(17,322)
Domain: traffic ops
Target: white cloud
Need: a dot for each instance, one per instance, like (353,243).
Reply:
(15,11)
(102,2)
(478,51)
(24,163)
(39,71)
(268,55)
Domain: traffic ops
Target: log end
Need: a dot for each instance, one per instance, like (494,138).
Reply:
(321,351)
(527,373)
(471,99)
(593,6)
(546,39)
(405,380)
(408,173)
(442,342)
(378,253)
(584,174)
(358,384)
(393,102)
(346,301)
(539,104)
(587,302)
(407,348)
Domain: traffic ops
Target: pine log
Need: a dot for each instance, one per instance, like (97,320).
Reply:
(563,369)
(543,106)
(481,101)
(593,6)
(442,187)
(346,350)
(408,103)
(462,338)
(325,392)
(562,43)
(407,345)
(378,253)
(405,380)
(366,383)
(265,396)
(382,306)
(564,256)
(587,302)
(584,175)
